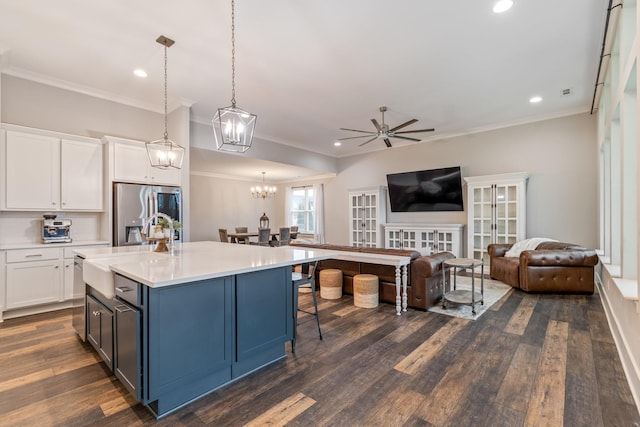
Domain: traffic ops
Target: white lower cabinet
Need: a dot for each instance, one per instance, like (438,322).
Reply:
(34,282)
(37,276)
(426,238)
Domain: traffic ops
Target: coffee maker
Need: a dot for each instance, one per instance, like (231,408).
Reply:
(56,230)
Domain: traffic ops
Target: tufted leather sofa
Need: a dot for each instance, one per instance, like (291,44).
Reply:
(551,267)
(424,275)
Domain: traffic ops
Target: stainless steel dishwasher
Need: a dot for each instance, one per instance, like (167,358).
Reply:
(127,311)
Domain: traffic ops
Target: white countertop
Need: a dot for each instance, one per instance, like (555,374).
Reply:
(196,260)
(39,245)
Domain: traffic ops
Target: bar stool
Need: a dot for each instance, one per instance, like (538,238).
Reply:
(304,279)
(331,283)
(365,291)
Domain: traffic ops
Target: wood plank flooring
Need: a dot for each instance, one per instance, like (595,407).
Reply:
(531,360)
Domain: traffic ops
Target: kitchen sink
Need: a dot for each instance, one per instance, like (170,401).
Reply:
(96,272)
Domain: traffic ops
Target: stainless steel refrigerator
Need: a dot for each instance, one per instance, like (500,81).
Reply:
(134,203)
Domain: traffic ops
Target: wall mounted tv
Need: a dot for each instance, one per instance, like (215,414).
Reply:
(433,190)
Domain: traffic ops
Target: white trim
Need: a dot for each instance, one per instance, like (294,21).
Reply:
(629,362)
(51,133)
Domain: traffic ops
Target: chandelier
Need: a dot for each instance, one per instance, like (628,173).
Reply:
(164,153)
(232,126)
(264,191)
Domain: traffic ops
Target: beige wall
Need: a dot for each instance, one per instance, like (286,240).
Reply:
(37,105)
(558,154)
(225,203)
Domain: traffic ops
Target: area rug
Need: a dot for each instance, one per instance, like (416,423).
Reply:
(493,291)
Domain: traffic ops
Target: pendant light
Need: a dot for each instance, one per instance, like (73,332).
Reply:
(164,153)
(232,126)
(264,191)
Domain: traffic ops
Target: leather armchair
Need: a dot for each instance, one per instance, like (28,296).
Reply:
(551,267)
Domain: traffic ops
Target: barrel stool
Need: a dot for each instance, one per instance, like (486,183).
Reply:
(365,290)
(331,283)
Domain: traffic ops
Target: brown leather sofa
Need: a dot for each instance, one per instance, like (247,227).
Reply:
(424,275)
(551,267)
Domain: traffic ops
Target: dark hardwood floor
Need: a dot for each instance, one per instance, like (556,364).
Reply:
(534,360)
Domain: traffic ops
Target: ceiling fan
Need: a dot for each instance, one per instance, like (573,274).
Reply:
(383,131)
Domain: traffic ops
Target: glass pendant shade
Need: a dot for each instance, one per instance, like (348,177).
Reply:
(165,154)
(233,129)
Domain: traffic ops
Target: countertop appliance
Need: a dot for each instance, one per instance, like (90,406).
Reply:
(134,203)
(56,230)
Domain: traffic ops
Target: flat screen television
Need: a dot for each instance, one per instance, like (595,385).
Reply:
(433,190)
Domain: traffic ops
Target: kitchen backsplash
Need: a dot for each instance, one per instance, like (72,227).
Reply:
(26,227)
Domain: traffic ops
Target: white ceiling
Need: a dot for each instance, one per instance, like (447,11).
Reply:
(308,68)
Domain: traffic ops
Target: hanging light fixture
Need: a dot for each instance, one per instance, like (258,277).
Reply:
(164,153)
(264,191)
(232,126)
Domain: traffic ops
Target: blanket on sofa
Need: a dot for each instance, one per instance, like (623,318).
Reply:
(526,245)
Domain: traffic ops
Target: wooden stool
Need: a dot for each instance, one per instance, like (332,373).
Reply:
(331,283)
(365,290)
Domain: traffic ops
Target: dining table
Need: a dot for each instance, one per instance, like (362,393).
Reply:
(235,237)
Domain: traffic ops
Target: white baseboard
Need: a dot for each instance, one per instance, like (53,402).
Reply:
(629,362)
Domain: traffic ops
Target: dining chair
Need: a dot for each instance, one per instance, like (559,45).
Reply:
(223,235)
(304,279)
(285,237)
(263,236)
(294,232)
(244,240)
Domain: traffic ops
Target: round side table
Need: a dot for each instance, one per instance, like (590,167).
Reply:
(463,296)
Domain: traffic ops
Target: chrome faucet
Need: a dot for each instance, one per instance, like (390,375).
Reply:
(148,222)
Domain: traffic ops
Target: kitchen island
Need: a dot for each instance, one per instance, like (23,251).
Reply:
(186,324)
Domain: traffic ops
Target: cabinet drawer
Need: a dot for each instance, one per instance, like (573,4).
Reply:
(22,255)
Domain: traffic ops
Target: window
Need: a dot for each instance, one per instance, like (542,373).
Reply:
(302,209)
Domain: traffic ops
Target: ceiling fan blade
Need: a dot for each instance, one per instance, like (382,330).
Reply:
(410,122)
(416,131)
(387,142)
(376,124)
(356,130)
(405,137)
(366,142)
(359,136)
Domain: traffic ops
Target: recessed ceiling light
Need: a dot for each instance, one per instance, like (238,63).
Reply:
(140,72)
(502,6)
(337,144)
(535,99)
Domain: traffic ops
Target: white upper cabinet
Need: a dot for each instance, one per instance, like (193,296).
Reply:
(45,172)
(33,171)
(131,164)
(81,176)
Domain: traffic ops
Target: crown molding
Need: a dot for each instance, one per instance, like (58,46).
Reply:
(90,91)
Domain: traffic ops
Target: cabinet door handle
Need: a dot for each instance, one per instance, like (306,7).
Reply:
(57,266)
(122,308)
(123,289)
(96,313)
(33,255)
